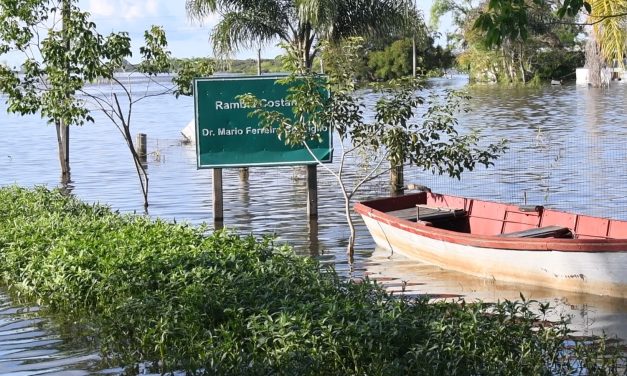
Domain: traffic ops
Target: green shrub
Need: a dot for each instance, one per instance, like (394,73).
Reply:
(176,298)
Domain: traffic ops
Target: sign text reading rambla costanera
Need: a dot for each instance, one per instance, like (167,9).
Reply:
(220,105)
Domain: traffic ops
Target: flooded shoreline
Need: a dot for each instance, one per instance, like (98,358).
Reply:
(566,151)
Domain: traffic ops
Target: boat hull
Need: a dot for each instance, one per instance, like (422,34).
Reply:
(597,272)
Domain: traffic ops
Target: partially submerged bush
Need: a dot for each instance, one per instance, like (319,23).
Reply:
(174,297)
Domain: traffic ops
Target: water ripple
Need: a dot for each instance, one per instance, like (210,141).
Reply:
(30,345)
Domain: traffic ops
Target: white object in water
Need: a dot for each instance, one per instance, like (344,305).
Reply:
(189,132)
(582,76)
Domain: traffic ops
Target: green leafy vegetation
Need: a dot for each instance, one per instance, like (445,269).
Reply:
(395,60)
(175,298)
(513,41)
(302,25)
(505,20)
(63,64)
(245,66)
(249,66)
(394,136)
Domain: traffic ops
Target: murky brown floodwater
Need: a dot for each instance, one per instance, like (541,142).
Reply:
(566,151)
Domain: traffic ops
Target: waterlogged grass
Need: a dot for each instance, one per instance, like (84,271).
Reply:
(171,296)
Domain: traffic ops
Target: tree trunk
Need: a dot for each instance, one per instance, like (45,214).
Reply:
(350,251)
(512,65)
(522,65)
(397,179)
(142,174)
(306,44)
(63,129)
(594,62)
(413,55)
(63,147)
(258,61)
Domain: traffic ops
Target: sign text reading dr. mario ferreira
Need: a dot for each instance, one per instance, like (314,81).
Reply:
(227,137)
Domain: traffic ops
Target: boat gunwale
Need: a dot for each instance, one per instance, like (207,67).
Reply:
(488,241)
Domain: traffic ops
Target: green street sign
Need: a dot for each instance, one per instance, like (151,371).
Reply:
(227,137)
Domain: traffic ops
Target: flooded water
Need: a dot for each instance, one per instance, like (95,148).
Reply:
(32,345)
(566,151)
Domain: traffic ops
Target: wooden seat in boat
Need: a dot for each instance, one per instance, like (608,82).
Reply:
(430,214)
(540,232)
(426,214)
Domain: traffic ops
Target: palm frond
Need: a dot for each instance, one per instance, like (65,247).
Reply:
(302,23)
(199,9)
(374,18)
(611,32)
(243,30)
(320,14)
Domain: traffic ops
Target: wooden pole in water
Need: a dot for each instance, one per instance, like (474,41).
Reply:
(313,238)
(218,198)
(141,147)
(244,173)
(312,190)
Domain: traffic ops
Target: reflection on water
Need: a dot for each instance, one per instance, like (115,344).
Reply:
(28,347)
(590,315)
(566,151)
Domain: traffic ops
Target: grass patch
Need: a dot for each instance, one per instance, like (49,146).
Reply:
(173,297)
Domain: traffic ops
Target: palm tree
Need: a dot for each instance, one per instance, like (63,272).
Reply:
(608,37)
(300,24)
(609,19)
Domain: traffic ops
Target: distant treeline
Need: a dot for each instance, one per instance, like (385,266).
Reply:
(391,61)
(382,62)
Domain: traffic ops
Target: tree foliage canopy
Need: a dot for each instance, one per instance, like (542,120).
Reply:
(58,62)
(536,44)
(503,19)
(63,55)
(301,23)
(609,32)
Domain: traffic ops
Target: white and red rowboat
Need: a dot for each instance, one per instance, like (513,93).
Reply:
(528,244)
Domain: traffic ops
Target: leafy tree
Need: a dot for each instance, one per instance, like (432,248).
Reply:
(155,60)
(460,10)
(60,64)
(504,19)
(394,137)
(517,56)
(393,62)
(301,24)
(557,63)
(58,60)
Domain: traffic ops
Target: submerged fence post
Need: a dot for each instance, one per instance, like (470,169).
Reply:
(218,198)
(140,146)
(244,173)
(312,190)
